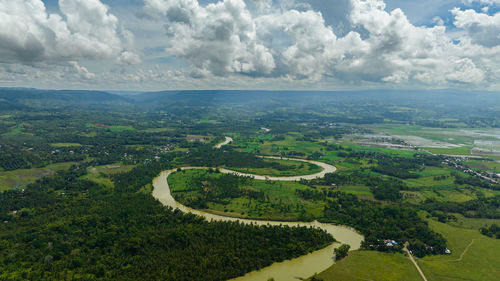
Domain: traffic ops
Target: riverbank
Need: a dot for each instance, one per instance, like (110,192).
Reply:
(303,267)
(227,141)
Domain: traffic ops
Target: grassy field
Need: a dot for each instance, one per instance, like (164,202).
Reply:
(65,144)
(395,152)
(89,134)
(420,189)
(482,165)
(425,187)
(113,128)
(15,131)
(472,223)
(370,265)
(465,150)
(100,174)
(265,145)
(294,168)
(281,201)
(445,193)
(474,257)
(21,178)
(158,130)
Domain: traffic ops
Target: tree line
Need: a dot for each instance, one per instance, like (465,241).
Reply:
(65,228)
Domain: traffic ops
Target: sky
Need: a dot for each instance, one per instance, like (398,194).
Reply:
(148,45)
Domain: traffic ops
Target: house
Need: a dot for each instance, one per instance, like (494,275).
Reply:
(390,243)
(447,251)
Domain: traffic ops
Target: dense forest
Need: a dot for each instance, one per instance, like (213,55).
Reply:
(491,231)
(479,208)
(65,228)
(382,188)
(379,223)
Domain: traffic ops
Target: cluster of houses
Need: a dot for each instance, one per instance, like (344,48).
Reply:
(392,243)
(157,152)
(387,243)
(487,176)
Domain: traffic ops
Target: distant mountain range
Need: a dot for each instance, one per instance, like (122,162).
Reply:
(25,98)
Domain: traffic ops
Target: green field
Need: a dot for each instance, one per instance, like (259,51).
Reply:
(419,189)
(280,203)
(15,131)
(158,130)
(482,165)
(294,168)
(265,145)
(65,144)
(465,150)
(22,177)
(396,152)
(101,174)
(371,265)
(112,128)
(426,187)
(474,257)
(472,223)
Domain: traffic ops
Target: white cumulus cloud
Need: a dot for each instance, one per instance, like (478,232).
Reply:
(220,37)
(480,27)
(483,2)
(249,42)
(225,38)
(84,29)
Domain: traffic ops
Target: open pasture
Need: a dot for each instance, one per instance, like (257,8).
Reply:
(22,177)
(473,257)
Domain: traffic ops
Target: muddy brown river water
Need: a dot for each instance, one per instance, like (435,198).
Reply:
(301,267)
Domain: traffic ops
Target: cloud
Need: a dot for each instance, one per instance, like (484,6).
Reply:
(81,71)
(220,37)
(294,42)
(313,48)
(262,5)
(84,30)
(483,2)
(247,42)
(481,28)
(465,71)
(43,73)
(396,45)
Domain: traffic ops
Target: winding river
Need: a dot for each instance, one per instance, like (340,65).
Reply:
(227,141)
(301,267)
(325,170)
